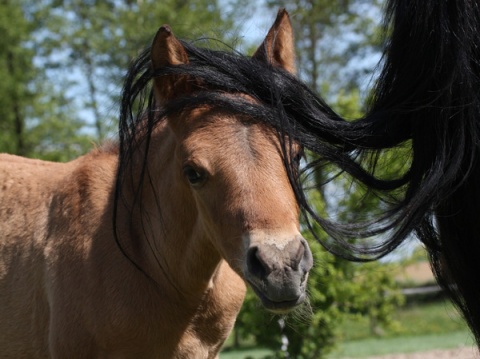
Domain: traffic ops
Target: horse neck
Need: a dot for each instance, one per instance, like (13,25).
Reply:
(172,243)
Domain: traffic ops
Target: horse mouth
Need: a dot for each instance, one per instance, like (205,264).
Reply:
(277,306)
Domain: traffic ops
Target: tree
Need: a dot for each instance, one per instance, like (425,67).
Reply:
(93,42)
(16,71)
(63,63)
(29,105)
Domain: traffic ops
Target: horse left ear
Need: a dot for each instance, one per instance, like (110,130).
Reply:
(167,50)
(278,48)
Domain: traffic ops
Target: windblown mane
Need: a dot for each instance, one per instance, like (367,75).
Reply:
(427,96)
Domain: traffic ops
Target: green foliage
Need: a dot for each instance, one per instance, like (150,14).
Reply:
(99,39)
(54,131)
(16,70)
(36,118)
(62,63)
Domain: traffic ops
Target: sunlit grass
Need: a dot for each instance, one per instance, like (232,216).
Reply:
(405,344)
(253,353)
(434,318)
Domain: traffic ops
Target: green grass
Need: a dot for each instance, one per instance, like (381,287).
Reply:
(371,347)
(417,328)
(434,318)
(253,353)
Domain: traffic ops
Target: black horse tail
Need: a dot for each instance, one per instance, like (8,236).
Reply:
(430,88)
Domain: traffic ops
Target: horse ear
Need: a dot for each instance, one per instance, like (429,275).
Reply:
(278,48)
(167,50)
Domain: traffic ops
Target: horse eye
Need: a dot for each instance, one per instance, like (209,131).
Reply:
(194,176)
(298,158)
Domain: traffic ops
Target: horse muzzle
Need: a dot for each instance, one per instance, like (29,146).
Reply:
(278,272)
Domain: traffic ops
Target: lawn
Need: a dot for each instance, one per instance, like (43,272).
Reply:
(252,353)
(417,328)
(433,318)
(404,344)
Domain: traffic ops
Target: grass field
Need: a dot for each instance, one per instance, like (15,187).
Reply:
(418,328)
(252,353)
(404,344)
(434,318)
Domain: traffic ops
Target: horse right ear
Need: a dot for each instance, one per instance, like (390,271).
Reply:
(167,50)
(278,48)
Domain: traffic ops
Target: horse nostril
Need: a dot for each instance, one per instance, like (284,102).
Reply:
(256,264)
(307,257)
(298,257)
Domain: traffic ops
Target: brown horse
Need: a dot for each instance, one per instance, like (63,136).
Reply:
(217,210)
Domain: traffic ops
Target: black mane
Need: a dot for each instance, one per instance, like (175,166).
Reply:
(427,96)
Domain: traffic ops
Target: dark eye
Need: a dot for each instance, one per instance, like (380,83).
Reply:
(297,158)
(195,176)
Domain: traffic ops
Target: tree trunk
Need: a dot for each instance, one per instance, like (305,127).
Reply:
(17,115)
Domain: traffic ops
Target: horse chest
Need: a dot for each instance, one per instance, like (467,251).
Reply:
(160,327)
(209,328)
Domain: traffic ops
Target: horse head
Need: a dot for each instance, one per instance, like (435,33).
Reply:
(233,170)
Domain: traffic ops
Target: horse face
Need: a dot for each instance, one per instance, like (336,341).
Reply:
(235,174)
(246,207)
